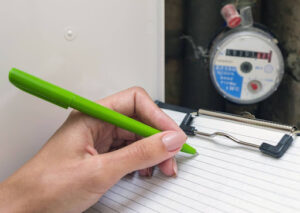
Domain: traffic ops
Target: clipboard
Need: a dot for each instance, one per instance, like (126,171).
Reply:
(276,151)
(224,177)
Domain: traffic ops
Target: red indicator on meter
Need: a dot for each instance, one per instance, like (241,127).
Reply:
(254,86)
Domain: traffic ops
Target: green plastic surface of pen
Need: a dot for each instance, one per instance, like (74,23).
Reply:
(65,99)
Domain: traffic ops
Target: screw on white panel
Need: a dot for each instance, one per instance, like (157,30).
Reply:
(70,35)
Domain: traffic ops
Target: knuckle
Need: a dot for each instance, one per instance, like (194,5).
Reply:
(138,89)
(102,162)
(74,113)
(140,151)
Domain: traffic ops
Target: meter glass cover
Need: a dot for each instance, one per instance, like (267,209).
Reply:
(246,65)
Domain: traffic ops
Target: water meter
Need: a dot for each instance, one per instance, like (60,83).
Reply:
(246,64)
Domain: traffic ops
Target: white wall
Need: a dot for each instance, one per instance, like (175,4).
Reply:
(117,44)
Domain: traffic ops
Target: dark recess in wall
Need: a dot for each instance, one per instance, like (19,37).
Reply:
(187,78)
(174,16)
(202,21)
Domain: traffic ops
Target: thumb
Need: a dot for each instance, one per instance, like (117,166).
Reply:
(143,153)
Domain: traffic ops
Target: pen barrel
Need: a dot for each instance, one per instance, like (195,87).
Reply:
(40,88)
(105,114)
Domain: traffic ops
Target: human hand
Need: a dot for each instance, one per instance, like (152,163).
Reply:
(86,157)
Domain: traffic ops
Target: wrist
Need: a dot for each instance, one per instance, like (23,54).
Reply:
(10,199)
(17,194)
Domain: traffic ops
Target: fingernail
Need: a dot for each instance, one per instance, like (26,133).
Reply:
(174,140)
(175,168)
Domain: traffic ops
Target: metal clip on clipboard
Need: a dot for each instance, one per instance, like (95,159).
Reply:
(268,149)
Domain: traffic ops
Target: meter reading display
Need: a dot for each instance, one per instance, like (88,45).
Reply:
(249,54)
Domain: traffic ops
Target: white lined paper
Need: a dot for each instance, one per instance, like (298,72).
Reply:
(224,177)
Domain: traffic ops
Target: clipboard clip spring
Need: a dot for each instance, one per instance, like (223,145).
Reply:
(268,149)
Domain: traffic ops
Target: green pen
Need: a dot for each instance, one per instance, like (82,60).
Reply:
(66,99)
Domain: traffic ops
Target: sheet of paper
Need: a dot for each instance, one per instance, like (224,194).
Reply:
(224,177)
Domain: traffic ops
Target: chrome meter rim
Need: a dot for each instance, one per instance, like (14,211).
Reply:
(247,64)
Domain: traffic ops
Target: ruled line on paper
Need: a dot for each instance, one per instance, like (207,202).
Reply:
(96,209)
(132,200)
(92,210)
(222,210)
(147,197)
(127,207)
(218,179)
(239,158)
(164,197)
(255,151)
(172,199)
(107,206)
(172,209)
(106,200)
(240,155)
(227,194)
(294,154)
(247,192)
(244,191)
(244,174)
(178,203)
(295,147)
(257,195)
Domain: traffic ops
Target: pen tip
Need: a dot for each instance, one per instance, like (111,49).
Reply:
(195,154)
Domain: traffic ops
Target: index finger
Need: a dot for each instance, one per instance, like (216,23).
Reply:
(136,102)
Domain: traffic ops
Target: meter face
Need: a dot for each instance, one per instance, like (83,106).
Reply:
(246,66)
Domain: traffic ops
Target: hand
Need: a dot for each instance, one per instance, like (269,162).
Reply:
(86,157)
